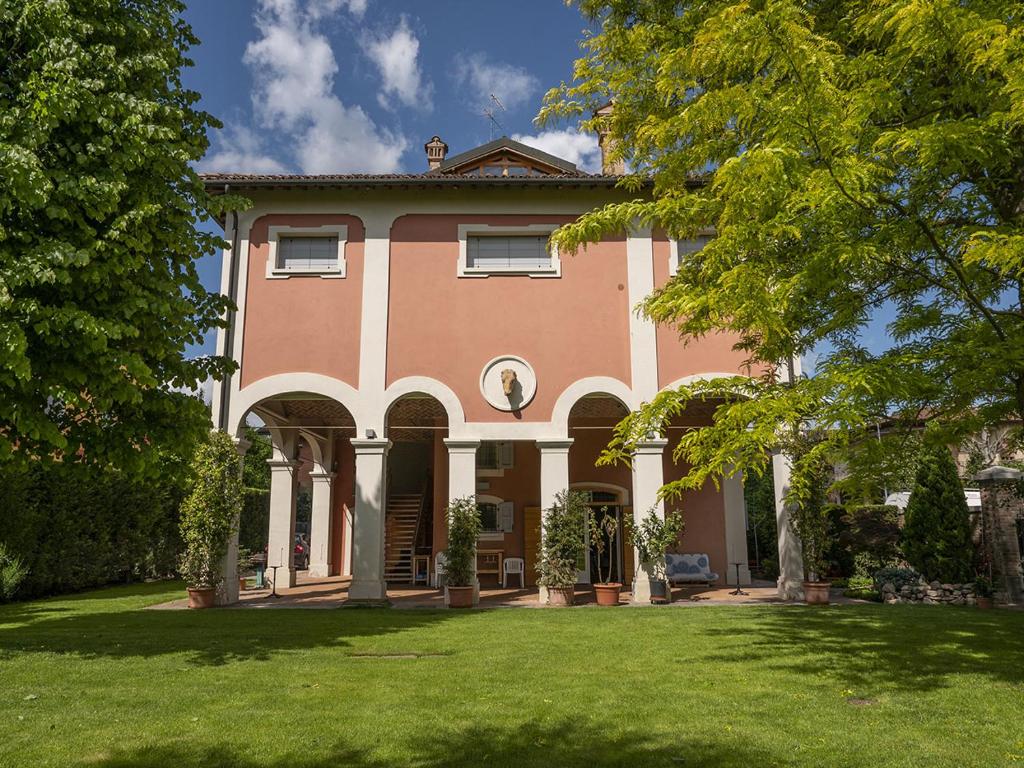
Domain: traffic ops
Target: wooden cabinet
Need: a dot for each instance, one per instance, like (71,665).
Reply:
(488,562)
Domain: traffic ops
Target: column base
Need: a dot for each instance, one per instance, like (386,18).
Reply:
(542,595)
(227,592)
(319,571)
(730,578)
(284,578)
(641,589)
(790,589)
(368,591)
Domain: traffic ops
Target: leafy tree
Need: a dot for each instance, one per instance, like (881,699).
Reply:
(563,545)
(851,157)
(99,213)
(937,529)
(463,530)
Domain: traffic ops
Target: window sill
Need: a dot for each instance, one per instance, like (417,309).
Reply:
(489,272)
(283,274)
(491,536)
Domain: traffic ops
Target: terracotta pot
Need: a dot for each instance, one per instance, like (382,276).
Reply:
(201,597)
(561,595)
(460,597)
(607,594)
(816,592)
(984,603)
(241,583)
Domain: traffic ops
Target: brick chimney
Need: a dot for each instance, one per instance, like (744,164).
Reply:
(436,151)
(609,166)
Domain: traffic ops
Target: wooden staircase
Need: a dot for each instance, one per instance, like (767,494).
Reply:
(400,526)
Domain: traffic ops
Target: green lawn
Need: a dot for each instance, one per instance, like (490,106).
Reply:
(93,680)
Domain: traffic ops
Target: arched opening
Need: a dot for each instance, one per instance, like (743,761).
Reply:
(302,477)
(591,422)
(414,530)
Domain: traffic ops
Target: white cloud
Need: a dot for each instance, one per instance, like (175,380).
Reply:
(321,8)
(512,85)
(293,67)
(579,148)
(395,57)
(240,150)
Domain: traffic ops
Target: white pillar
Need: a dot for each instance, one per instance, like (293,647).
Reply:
(791,559)
(346,548)
(227,590)
(462,483)
(368,521)
(281,538)
(648,477)
(320,524)
(554,478)
(735,529)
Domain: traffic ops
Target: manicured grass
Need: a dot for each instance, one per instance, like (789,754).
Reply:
(94,680)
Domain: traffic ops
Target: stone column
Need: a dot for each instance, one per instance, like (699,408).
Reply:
(648,477)
(368,522)
(346,547)
(791,559)
(735,529)
(462,483)
(320,524)
(227,591)
(281,538)
(554,478)
(1001,506)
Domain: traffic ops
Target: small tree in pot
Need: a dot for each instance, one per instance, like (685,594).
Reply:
(602,539)
(810,515)
(460,571)
(653,537)
(563,545)
(209,517)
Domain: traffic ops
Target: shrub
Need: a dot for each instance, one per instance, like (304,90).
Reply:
(209,516)
(898,577)
(562,546)
(872,535)
(12,573)
(463,531)
(937,534)
(653,537)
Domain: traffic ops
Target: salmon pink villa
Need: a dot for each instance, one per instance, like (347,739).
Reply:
(409,339)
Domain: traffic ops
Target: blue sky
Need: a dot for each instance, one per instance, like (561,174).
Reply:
(322,86)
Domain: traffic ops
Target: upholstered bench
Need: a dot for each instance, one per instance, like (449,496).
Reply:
(689,569)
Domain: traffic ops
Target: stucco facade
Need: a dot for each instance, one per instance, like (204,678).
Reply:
(377,367)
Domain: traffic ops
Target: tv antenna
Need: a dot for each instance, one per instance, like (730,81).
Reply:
(489,114)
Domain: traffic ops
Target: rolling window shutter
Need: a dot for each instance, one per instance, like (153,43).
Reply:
(522,252)
(307,253)
(506,515)
(506,455)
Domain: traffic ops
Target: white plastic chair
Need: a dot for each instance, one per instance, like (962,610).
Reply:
(440,572)
(511,566)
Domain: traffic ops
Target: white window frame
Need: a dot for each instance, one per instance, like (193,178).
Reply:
(275,234)
(499,503)
(673,255)
(506,460)
(487,230)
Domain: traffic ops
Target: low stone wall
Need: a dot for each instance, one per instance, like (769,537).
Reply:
(930,594)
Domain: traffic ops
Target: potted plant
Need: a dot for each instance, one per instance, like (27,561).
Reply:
(245,563)
(983,592)
(810,515)
(460,568)
(653,537)
(602,539)
(563,546)
(209,517)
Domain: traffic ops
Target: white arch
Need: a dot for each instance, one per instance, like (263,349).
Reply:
(585,485)
(592,385)
(427,386)
(287,383)
(711,376)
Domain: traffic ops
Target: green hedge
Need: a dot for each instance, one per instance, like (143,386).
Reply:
(77,526)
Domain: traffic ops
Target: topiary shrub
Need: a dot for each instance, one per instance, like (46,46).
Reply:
(463,531)
(937,530)
(209,516)
(562,546)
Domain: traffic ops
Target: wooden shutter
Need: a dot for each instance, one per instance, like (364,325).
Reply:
(506,516)
(531,542)
(506,455)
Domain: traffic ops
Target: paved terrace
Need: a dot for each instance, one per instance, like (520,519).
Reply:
(332,592)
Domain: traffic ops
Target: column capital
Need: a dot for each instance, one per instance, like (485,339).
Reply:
(241,445)
(554,444)
(322,476)
(363,446)
(651,445)
(461,445)
(283,464)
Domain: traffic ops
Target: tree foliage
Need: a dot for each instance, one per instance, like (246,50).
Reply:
(99,206)
(937,530)
(209,516)
(563,544)
(852,158)
(463,530)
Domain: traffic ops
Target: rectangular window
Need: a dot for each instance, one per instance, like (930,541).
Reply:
(510,253)
(307,254)
(493,455)
(489,522)
(692,245)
